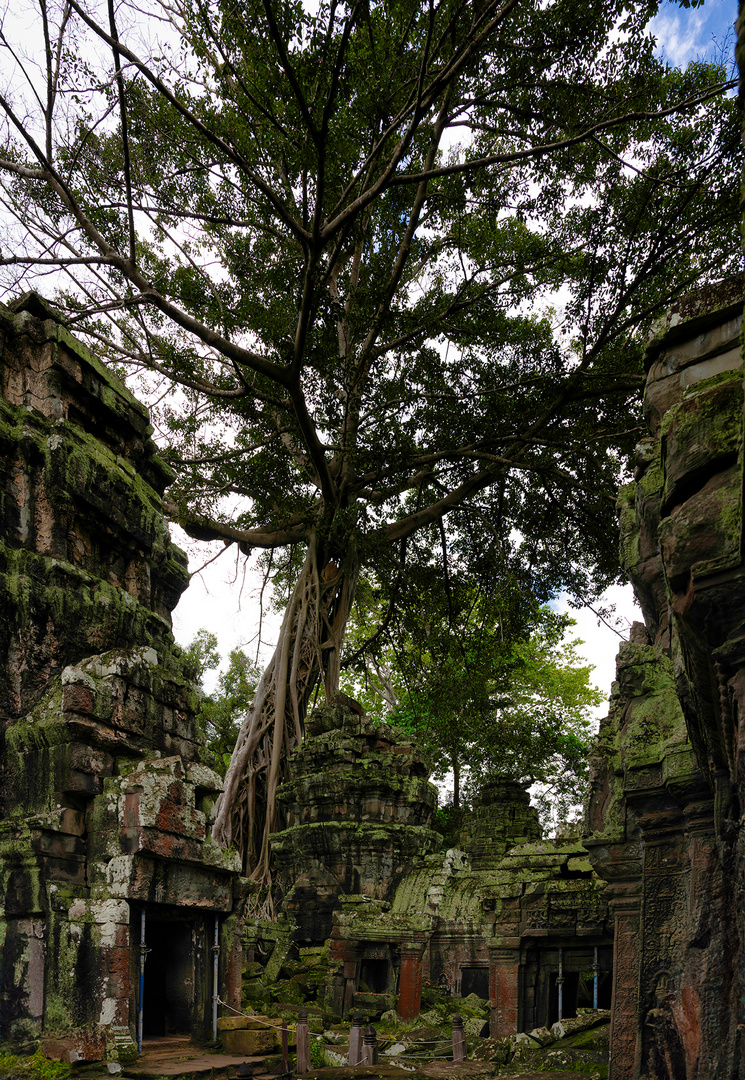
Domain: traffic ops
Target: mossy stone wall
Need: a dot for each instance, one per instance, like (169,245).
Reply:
(664,824)
(106,790)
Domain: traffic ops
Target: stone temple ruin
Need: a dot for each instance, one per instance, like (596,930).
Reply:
(364,871)
(106,794)
(665,821)
(107,791)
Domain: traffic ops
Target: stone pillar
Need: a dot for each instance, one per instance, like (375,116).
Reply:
(625,1034)
(231,941)
(370,1047)
(504,976)
(302,1049)
(459,1039)
(410,982)
(349,972)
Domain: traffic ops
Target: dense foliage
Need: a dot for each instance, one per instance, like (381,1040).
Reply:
(223,708)
(483,674)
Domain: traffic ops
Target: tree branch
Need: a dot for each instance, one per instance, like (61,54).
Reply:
(562,144)
(201,527)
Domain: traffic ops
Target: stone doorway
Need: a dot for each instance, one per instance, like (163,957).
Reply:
(475,980)
(541,991)
(375,975)
(569,996)
(174,983)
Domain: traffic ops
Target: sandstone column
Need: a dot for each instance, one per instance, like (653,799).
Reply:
(410,981)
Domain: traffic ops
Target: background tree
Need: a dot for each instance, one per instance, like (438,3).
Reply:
(332,230)
(478,669)
(222,709)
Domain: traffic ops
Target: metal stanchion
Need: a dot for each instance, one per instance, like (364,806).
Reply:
(215,975)
(141,1003)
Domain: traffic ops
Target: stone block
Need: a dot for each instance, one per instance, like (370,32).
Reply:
(76,1048)
(255,1022)
(78,699)
(374,1005)
(249,1042)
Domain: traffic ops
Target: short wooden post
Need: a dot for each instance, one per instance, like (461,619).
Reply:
(303,1043)
(355,1040)
(459,1042)
(285,1049)
(370,1047)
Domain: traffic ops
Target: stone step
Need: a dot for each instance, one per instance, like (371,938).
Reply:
(165,1043)
(176,1064)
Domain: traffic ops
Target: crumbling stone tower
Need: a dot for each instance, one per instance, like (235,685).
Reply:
(105,790)
(358,812)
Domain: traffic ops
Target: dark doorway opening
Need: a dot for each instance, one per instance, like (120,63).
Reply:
(374,976)
(569,996)
(474,980)
(169,977)
(585,992)
(540,995)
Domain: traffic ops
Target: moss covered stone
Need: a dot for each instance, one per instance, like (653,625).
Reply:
(666,762)
(105,790)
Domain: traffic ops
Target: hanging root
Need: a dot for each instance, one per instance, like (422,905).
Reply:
(309,645)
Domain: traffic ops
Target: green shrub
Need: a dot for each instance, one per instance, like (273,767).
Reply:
(317,1060)
(44,1069)
(38,1067)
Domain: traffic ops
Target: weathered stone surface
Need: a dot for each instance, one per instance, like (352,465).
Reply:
(106,794)
(76,1049)
(250,1043)
(357,812)
(497,927)
(501,817)
(86,562)
(664,824)
(255,1022)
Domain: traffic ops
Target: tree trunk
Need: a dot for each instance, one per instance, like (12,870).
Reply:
(456,779)
(309,647)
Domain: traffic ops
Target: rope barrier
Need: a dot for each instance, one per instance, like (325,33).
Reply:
(391,1057)
(258,1020)
(423,1042)
(414,1057)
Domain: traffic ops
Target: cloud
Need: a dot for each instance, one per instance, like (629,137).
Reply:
(696,33)
(680,36)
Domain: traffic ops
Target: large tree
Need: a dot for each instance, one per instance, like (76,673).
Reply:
(337,229)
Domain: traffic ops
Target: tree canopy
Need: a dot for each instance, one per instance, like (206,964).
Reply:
(482,673)
(383,263)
